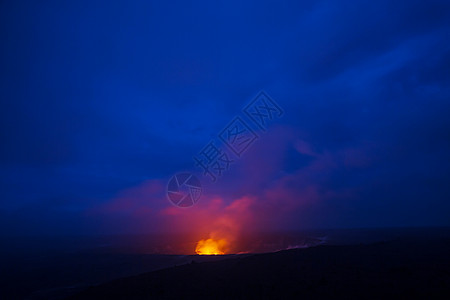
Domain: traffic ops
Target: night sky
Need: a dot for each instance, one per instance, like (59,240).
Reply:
(102,102)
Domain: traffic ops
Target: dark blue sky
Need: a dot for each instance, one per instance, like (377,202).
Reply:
(103,101)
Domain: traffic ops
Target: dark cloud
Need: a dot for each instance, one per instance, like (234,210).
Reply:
(98,98)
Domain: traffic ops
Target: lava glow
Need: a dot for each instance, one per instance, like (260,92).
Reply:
(211,247)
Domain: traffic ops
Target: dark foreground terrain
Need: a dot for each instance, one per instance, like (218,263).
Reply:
(399,269)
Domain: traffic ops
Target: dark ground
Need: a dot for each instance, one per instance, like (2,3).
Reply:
(351,262)
(399,269)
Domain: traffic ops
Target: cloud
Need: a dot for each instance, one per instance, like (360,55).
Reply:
(98,113)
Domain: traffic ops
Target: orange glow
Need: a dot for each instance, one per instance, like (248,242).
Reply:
(211,247)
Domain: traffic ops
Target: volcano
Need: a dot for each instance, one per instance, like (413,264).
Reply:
(401,269)
(211,247)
